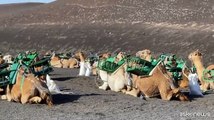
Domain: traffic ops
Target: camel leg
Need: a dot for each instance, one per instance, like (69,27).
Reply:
(8,94)
(104,86)
(123,90)
(165,91)
(204,86)
(134,92)
(180,95)
(212,85)
(49,101)
(166,95)
(4,97)
(25,98)
(35,99)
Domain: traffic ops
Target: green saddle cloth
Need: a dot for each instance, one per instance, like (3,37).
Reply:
(9,76)
(26,58)
(108,64)
(211,75)
(140,67)
(174,65)
(13,72)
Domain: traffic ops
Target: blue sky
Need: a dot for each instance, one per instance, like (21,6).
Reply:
(23,1)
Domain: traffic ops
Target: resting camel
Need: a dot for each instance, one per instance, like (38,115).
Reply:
(116,81)
(56,61)
(29,85)
(196,58)
(159,82)
(28,89)
(183,83)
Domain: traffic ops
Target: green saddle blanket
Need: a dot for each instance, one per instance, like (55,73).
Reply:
(43,61)
(109,65)
(14,71)
(27,59)
(46,67)
(173,64)
(140,67)
(9,76)
(208,75)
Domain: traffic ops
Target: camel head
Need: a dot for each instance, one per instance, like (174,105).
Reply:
(120,55)
(80,56)
(144,54)
(105,55)
(196,55)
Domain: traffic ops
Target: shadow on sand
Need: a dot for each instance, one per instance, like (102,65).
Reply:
(66,98)
(62,78)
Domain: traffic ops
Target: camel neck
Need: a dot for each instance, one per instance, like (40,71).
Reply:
(200,68)
(82,59)
(149,58)
(198,64)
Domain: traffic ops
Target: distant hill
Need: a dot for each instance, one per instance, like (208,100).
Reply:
(14,9)
(176,26)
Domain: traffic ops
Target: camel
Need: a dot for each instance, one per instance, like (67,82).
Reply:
(56,61)
(116,81)
(183,83)
(70,63)
(196,58)
(159,82)
(28,85)
(28,89)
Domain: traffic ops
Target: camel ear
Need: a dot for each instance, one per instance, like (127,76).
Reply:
(148,51)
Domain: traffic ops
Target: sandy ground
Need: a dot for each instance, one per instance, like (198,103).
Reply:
(90,103)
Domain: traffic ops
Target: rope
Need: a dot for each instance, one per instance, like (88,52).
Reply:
(22,82)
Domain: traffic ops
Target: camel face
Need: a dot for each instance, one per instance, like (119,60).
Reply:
(120,55)
(144,54)
(105,55)
(195,55)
